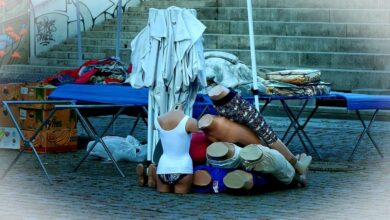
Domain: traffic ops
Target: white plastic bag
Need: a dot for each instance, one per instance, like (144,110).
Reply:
(122,149)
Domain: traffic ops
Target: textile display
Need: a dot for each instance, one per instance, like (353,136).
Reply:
(296,77)
(286,89)
(104,71)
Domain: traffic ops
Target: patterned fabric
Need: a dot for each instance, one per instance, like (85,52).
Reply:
(237,109)
(286,89)
(297,77)
(105,71)
(171,178)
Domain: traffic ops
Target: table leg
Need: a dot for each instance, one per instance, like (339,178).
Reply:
(366,130)
(300,128)
(98,138)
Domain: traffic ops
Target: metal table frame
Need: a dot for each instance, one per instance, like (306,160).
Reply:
(86,124)
(295,124)
(341,101)
(366,130)
(299,127)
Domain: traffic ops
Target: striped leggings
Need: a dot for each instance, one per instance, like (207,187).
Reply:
(233,107)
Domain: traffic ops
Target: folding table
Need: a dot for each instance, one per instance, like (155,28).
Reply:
(88,100)
(295,124)
(358,102)
(351,101)
(111,98)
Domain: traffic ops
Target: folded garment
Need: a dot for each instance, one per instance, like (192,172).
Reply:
(286,89)
(296,77)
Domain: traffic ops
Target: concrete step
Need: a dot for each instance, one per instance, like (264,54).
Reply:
(304,44)
(105,37)
(124,27)
(307,15)
(325,29)
(107,49)
(71,63)
(318,60)
(27,73)
(381,16)
(71,55)
(332,4)
(322,29)
(125,56)
(102,39)
(143,13)
(240,41)
(179,3)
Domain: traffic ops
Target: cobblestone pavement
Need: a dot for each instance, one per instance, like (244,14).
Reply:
(358,190)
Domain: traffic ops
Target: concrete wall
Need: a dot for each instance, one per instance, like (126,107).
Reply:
(56,20)
(14,28)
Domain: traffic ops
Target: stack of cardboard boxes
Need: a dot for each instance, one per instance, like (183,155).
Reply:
(59,134)
(9,137)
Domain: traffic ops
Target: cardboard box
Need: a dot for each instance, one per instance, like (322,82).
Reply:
(35,92)
(9,138)
(5,119)
(31,119)
(53,141)
(10,91)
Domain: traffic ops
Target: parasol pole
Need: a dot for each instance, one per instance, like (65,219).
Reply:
(79,46)
(118,29)
(150,126)
(253,53)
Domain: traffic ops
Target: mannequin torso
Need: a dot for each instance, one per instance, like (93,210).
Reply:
(175,165)
(218,128)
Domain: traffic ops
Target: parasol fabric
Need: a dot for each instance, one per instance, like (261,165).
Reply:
(167,57)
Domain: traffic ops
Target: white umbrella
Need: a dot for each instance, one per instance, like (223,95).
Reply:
(168,58)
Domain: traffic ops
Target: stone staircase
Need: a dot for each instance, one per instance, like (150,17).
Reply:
(349,41)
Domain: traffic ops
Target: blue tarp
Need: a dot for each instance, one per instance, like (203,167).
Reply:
(105,94)
(118,95)
(363,101)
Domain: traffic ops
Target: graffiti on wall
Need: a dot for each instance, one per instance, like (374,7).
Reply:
(45,29)
(53,22)
(14,37)
(56,20)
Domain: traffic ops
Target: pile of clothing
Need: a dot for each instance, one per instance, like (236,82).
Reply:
(104,71)
(300,82)
(226,69)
